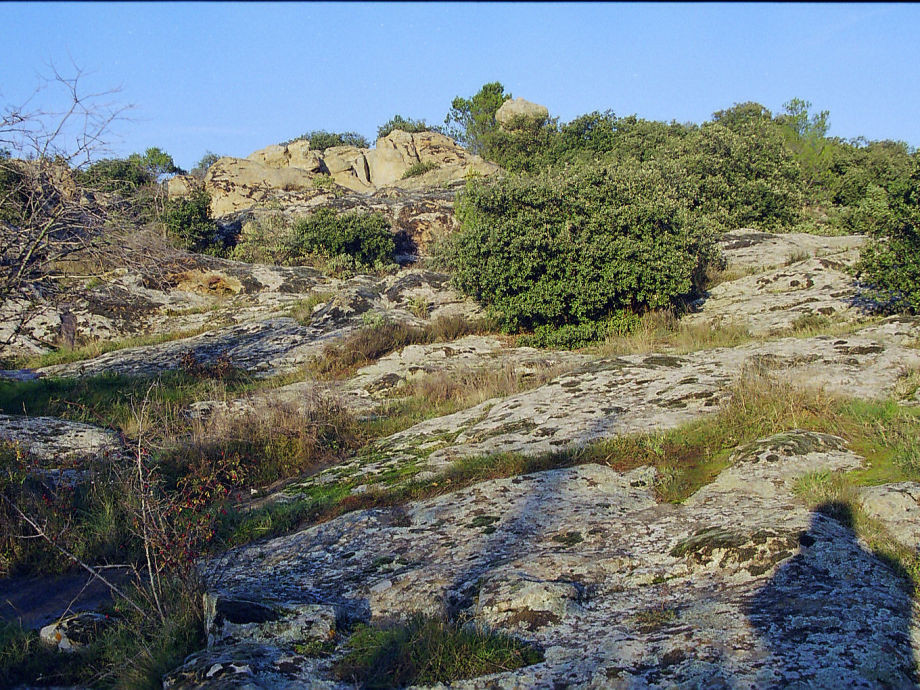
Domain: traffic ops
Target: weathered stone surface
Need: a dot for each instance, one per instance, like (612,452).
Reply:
(201,293)
(636,393)
(247,667)
(777,300)
(229,620)
(795,278)
(181,185)
(283,174)
(261,340)
(58,451)
(53,440)
(519,108)
(348,167)
(760,251)
(236,183)
(297,154)
(897,506)
(469,354)
(739,586)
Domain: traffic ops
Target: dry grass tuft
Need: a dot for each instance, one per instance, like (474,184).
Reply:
(663,331)
(370,343)
(206,282)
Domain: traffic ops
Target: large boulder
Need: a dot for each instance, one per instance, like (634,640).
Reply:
(236,183)
(420,204)
(511,110)
(180,185)
(348,167)
(394,155)
(400,151)
(297,154)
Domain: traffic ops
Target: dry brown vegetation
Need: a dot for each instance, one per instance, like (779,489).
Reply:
(370,343)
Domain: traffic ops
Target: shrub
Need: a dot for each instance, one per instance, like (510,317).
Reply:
(528,145)
(572,336)
(470,121)
(576,247)
(419,168)
(265,239)
(746,176)
(890,263)
(320,140)
(202,166)
(426,651)
(115,174)
(409,126)
(365,237)
(127,174)
(188,221)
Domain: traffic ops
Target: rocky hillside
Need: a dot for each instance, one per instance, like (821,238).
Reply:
(511,512)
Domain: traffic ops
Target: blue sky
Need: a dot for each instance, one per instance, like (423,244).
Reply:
(235,77)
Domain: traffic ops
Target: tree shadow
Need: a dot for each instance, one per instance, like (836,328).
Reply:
(835,614)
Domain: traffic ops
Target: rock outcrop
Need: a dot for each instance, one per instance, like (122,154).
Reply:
(292,173)
(260,338)
(517,109)
(739,586)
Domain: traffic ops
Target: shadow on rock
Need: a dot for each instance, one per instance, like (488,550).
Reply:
(835,615)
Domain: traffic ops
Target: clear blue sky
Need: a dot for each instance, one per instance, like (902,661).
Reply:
(232,78)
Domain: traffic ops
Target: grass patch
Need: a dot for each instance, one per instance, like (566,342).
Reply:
(88,518)
(302,310)
(110,399)
(274,442)
(134,652)
(425,651)
(419,169)
(663,331)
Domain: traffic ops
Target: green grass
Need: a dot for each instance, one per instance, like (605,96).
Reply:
(419,169)
(662,331)
(686,458)
(111,399)
(341,359)
(302,310)
(425,651)
(133,653)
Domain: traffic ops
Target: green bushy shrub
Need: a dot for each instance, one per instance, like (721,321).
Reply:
(320,140)
(127,174)
(578,246)
(115,174)
(407,125)
(745,174)
(363,237)
(889,264)
(188,221)
(573,336)
(419,169)
(202,166)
